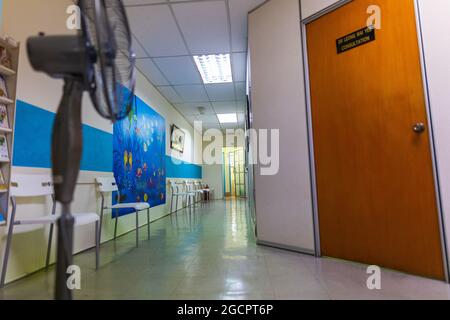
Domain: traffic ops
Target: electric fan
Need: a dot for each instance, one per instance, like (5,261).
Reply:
(99,59)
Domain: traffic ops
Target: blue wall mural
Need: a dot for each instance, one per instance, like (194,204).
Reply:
(35,124)
(139,156)
(102,150)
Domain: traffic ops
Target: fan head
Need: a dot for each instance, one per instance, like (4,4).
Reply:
(106,30)
(100,55)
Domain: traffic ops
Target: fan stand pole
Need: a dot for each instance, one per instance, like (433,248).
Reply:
(66,158)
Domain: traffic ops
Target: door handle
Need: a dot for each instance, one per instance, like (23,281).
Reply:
(419,127)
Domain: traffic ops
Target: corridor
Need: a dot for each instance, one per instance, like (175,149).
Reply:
(212,254)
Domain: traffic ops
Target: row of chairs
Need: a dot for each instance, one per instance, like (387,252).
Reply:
(190,192)
(32,186)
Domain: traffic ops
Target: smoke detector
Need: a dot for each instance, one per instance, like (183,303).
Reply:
(201,110)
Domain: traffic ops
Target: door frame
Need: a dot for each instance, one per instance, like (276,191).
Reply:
(304,23)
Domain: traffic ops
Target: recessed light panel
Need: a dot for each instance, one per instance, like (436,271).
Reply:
(227,118)
(214,68)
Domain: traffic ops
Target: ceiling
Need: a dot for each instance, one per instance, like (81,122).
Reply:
(168,33)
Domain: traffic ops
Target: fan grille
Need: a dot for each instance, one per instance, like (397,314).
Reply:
(106,30)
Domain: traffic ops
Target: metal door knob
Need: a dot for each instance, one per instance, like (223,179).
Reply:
(419,127)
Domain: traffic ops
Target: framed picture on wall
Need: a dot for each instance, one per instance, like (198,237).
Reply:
(177,139)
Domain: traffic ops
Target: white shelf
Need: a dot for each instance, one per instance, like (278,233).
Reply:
(6,101)
(6,71)
(10,76)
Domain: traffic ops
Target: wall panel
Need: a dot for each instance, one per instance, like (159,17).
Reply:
(283,201)
(436,41)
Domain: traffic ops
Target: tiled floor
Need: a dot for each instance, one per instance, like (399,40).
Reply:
(212,255)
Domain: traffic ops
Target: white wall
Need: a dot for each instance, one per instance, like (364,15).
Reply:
(213,176)
(21,19)
(436,36)
(310,7)
(283,202)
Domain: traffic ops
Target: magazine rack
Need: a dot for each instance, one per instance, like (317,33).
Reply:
(8,81)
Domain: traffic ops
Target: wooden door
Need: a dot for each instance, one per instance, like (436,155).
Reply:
(375,184)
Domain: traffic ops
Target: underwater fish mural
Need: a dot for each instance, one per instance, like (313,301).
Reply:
(139,146)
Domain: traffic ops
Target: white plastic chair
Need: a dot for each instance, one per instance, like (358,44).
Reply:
(175,195)
(30,186)
(200,190)
(109,185)
(191,194)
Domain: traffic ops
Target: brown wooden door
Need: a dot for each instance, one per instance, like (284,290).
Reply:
(375,185)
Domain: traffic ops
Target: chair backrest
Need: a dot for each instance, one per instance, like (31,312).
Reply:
(189,185)
(31,185)
(173,186)
(107,184)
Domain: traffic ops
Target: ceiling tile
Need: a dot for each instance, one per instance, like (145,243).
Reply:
(220,92)
(241,106)
(208,118)
(238,17)
(170,94)
(156,29)
(149,69)
(241,118)
(190,119)
(225,107)
(239,65)
(194,93)
(193,108)
(179,70)
(241,91)
(204,25)
(137,49)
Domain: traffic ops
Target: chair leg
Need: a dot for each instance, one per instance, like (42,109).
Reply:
(115,227)
(97,245)
(49,247)
(148,223)
(171,204)
(137,228)
(6,257)
(176,205)
(100,227)
(189,206)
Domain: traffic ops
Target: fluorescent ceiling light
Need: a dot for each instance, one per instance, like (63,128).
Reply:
(227,118)
(215,68)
